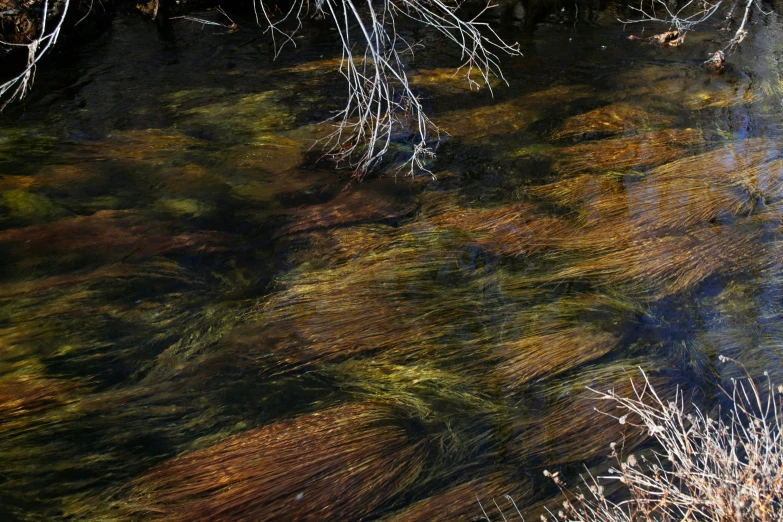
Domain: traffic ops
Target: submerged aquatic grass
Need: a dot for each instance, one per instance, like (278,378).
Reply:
(640,151)
(217,332)
(512,229)
(338,463)
(572,430)
(535,356)
(612,119)
(26,394)
(459,503)
(662,266)
(486,123)
(348,208)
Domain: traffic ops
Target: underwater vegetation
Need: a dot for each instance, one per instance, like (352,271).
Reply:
(349,208)
(528,358)
(580,423)
(218,333)
(640,151)
(481,125)
(464,334)
(459,503)
(115,234)
(319,465)
(613,119)
(26,394)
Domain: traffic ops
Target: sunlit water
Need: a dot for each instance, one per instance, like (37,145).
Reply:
(201,321)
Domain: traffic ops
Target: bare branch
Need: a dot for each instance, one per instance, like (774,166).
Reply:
(232,26)
(17,87)
(381,106)
(727,467)
(741,33)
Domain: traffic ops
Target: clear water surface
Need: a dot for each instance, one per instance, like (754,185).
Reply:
(201,321)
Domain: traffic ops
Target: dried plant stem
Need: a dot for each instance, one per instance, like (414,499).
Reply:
(741,33)
(381,105)
(686,18)
(721,469)
(682,20)
(17,87)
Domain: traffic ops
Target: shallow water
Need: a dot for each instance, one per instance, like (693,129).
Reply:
(201,321)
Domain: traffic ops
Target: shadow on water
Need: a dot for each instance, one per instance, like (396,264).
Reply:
(199,323)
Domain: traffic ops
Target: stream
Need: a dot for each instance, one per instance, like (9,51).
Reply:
(201,319)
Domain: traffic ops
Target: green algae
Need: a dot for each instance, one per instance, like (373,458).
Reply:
(26,207)
(247,116)
(536,149)
(183,207)
(193,96)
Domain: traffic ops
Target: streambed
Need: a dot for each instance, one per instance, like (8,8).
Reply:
(201,321)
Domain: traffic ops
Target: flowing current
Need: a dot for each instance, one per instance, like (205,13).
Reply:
(201,320)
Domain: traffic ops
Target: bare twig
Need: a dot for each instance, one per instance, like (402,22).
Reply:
(17,87)
(686,18)
(232,26)
(728,468)
(681,20)
(741,33)
(381,105)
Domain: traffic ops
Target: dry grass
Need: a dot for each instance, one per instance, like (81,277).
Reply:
(723,468)
(335,464)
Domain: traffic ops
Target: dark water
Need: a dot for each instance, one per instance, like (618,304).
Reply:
(201,321)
